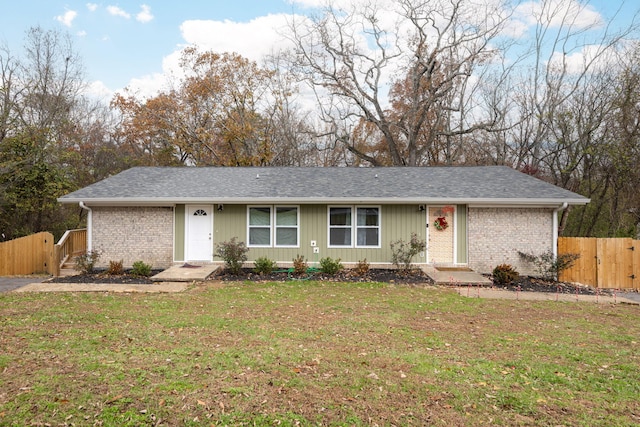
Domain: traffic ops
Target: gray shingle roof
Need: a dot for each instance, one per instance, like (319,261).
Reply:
(481,184)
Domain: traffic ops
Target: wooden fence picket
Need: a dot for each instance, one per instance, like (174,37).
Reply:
(603,263)
(27,255)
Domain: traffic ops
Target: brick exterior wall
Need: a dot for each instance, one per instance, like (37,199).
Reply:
(496,236)
(133,234)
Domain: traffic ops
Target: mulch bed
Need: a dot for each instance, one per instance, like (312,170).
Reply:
(533,284)
(415,276)
(411,277)
(103,277)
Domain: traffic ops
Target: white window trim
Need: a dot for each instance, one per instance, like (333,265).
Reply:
(272,226)
(354,227)
(275,226)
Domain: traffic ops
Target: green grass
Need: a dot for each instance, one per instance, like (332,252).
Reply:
(310,353)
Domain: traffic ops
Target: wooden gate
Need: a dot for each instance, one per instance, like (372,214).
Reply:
(603,263)
(27,255)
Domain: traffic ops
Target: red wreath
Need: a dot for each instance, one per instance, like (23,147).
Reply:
(441,223)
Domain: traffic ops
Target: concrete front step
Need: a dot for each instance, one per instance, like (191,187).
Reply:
(456,277)
(186,272)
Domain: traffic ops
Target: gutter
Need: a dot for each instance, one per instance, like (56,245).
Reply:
(555,227)
(89,225)
(472,202)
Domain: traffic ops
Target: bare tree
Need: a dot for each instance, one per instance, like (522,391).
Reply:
(424,57)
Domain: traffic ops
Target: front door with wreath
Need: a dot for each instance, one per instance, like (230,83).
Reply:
(441,243)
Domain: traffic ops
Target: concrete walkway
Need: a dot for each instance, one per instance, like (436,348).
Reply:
(104,287)
(10,283)
(186,272)
(491,293)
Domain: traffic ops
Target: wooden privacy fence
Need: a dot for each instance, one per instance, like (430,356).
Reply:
(27,255)
(37,254)
(603,263)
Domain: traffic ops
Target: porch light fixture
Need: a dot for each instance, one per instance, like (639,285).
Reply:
(220,207)
(421,208)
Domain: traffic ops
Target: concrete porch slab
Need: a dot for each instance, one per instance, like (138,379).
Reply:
(456,277)
(186,272)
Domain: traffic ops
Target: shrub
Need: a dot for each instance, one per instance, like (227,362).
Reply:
(139,268)
(86,262)
(504,275)
(233,253)
(264,265)
(330,266)
(115,268)
(362,268)
(549,266)
(299,265)
(402,252)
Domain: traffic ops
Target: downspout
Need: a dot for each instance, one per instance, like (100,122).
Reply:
(89,226)
(555,228)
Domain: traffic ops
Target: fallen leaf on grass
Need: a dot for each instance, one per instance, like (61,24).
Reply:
(114,399)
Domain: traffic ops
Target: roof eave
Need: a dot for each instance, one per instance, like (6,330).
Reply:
(474,202)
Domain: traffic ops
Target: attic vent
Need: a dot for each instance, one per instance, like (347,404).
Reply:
(200,212)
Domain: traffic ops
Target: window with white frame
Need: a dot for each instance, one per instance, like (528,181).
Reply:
(260,226)
(343,232)
(273,226)
(340,226)
(286,226)
(368,227)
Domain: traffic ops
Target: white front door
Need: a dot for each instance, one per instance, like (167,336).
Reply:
(198,237)
(441,242)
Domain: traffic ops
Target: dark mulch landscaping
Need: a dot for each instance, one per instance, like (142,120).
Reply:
(415,276)
(104,277)
(411,277)
(534,284)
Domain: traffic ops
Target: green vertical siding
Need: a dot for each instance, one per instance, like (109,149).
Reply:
(397,222)
(178,244)
(461,230)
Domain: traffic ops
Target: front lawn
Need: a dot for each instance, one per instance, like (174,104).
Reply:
(315,353)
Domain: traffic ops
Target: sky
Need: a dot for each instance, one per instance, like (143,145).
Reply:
(131,43)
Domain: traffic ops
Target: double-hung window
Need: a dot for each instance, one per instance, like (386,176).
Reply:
(354,226)
(273,226)
(286,226)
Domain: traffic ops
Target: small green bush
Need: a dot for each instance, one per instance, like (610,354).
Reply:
(362,267)
(139,268)
(300,265)
(504,275)
(330,266)
(86,262)
(264,265)
(402,253)
(233,253)
(115,268)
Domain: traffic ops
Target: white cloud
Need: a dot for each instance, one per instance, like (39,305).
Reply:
(99,90)
(590,57)
(253,39)
(145,14)
(116,11)
(81,33)
(92,7)
(67,18)
(558,13)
